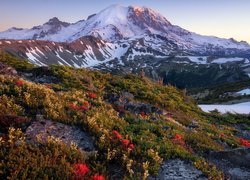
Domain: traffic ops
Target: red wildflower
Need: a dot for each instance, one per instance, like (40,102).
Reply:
(84,108)
(81,169)
(222,135)
(92,95)
(244,142)
(73,106)
(98,177)
(48,86)
(169,115)
(19,83)
(131,146)
(142,114)
(86,103)
(178,140)
(125,142)
(117,134)
(178,137)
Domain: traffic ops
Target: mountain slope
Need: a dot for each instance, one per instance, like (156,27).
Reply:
(87,51)
(129,125)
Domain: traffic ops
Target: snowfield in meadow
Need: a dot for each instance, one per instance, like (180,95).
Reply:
(241,108)
(244,92)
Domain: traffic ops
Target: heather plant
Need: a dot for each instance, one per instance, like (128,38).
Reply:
(21,160)
(9,107)
(17,63)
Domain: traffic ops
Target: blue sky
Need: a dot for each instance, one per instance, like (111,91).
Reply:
(223,18)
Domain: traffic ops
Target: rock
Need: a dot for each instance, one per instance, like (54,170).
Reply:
(168,114)
(111,97)
(137,108)
(243,131)
(127,96)
(44,128)
(245,134)
(27,74)
(239,156)
(125,101)
(7,70)
(234,163)
(239,173)
(193,125)
(44,79)
(166,127)
(154,119)
(41,75)
(178,169)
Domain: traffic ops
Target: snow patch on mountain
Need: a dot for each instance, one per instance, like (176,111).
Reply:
(244,92)
(225,60)
(196,59)
(32,56)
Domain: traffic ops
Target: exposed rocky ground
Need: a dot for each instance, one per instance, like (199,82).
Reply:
(234,163)
(41,129)
(179,169)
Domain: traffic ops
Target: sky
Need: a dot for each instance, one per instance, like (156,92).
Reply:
(222,18)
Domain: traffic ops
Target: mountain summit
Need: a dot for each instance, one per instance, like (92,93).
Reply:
(127,21)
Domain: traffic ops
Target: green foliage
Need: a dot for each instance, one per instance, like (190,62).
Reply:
(221,93)
(152,135)
(17,63)
(202,142)
(21,160)
(167,97)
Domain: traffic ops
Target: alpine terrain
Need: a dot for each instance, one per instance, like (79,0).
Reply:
(116,96)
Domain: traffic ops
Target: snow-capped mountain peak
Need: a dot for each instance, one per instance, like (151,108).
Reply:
(53,26)
(112,23)
(116,22)
(112,15)
(53,20)
(120,23)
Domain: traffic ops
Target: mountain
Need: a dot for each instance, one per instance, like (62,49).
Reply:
(117,22)
(126,39)
(50,28)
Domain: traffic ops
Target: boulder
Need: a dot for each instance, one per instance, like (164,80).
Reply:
(44,128)
(234,163)
(193,124)
(7,70)
(178,169)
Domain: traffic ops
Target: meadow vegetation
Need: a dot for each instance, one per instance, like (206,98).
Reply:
(137,143)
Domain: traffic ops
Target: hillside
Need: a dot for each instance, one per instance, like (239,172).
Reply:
(121,127)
